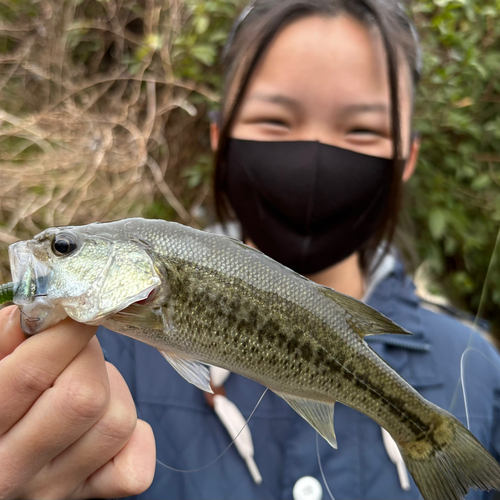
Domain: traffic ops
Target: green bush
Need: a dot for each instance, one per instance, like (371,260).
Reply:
(454,195)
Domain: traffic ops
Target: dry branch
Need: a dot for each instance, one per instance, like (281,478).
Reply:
(80,139)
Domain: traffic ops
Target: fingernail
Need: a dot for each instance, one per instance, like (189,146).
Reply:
(6,312)
(13,316)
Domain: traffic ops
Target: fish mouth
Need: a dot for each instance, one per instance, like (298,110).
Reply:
(31,278)
(30,275)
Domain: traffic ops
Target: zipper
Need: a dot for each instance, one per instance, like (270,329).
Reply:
(412,345)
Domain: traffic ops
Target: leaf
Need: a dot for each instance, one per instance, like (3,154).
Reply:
(464,103)
(218,36)
(154,41)
(201,25)
(204,53)
(481,182)
(437,223)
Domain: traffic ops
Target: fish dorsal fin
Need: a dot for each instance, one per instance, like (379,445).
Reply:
(140,316)
(364,320)
(318,414)
(193,371)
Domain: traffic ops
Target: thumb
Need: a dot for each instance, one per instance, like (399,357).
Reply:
(11,334)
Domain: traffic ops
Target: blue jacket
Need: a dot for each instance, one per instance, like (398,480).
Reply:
(189,435)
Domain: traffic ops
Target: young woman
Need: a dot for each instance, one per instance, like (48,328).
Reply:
(313,146)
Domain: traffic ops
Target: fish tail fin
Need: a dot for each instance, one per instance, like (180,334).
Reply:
(450,462)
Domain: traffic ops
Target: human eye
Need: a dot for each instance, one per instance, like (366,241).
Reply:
(365,135)
(271,125)
(275,122)
(364,132)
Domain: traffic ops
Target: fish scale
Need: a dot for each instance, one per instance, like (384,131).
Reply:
(202,298)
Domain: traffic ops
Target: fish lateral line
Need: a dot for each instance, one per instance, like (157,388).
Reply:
(405,415)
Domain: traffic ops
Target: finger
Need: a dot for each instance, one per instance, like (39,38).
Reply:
(59,417)
(99,445)
(131,472)
(34,366)
(11,334)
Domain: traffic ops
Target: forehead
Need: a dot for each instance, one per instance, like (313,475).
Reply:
(322,58)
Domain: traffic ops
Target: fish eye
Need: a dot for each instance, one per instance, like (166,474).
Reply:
(64,244)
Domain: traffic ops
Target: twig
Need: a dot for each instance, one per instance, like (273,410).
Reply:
(167,192)
(7,238)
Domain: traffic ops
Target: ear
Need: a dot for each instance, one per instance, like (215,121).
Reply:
(214,136)
(411,164)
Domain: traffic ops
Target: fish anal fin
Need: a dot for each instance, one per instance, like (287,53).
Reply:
(194,372)
(317,413)
(364,320)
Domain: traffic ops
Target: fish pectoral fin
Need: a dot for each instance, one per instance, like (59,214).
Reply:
(317,413)
(140,316)
(365,320)
(193,371)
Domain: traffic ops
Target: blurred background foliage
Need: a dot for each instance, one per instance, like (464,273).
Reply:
(103,115)
(454,200)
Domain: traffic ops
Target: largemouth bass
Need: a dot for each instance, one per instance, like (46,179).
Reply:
(206,299)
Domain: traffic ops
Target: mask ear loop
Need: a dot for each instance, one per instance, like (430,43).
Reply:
(159,462)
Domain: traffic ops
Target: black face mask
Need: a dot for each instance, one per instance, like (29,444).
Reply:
(306,204)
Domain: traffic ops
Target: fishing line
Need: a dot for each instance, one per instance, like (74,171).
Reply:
(462,361)
(461,380)
(321,468)
(227,448)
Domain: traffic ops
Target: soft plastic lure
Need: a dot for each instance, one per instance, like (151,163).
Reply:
(6,293)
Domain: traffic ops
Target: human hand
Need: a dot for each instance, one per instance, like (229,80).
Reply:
(68,424)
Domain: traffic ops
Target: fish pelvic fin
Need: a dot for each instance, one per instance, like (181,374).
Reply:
(317,413)
(364,320)
(194,372)
(450,461)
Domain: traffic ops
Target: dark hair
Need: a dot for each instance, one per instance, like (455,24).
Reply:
(251,35)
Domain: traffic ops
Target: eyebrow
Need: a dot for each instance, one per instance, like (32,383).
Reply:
(277,99)
(366,108)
